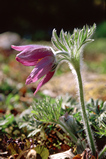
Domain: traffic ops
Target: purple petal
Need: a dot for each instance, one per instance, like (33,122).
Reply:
(44,80)
(23,47)
(20,48)
(42,68)
(32,53)
(27,63)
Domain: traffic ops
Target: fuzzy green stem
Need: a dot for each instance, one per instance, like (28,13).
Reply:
(84,114)
(73,137)
(102,152)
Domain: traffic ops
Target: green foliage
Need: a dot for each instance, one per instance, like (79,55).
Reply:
(42,151)
(27,120)
(8,124)
(97,116)
(47,110)
(6,121)
(11,99)
(66,110)
(69,43)
(6,87)
(46,113)
(101,131)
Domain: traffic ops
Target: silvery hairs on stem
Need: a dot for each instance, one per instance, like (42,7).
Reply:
(70,48)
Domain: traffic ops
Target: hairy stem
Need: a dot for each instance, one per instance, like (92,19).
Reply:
(102,152)
(84,114)
(72,136)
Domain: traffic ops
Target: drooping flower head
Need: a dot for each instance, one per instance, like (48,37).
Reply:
(42,57)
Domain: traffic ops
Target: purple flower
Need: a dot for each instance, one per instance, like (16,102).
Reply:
(42,57)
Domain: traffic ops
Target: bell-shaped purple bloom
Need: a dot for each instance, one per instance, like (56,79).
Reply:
(42,57)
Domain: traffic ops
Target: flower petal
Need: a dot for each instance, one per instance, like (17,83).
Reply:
(20,48)
(32,53)
(27,63)
(42,68)
(44,80)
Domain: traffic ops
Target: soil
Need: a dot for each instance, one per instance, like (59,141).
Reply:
(94,85)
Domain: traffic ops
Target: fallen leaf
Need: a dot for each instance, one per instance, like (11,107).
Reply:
(42,151)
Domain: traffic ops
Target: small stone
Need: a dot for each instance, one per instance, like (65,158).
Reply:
(7,39)
(63,155)
(32,154)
